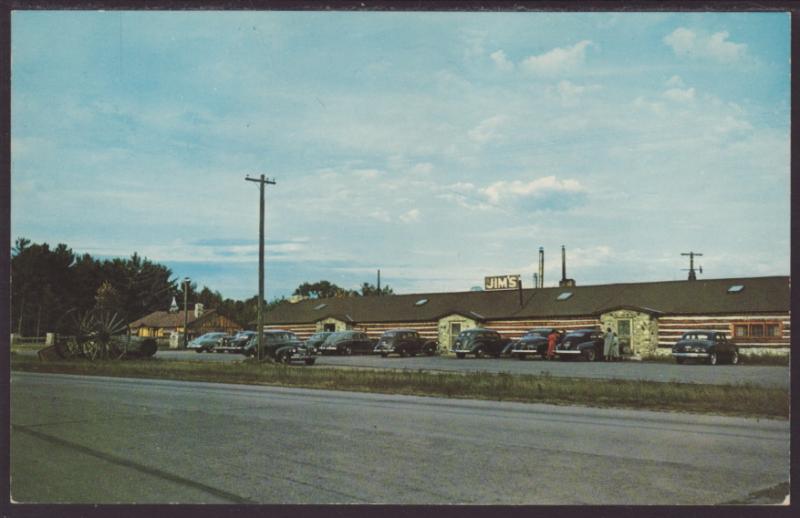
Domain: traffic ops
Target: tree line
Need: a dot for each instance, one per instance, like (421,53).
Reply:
(48,285)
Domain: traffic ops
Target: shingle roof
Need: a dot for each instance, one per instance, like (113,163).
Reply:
(165,319)
(760,295)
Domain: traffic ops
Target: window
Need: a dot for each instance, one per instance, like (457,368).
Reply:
(421,302)
(564,296)
(320,306)
(736,288)
(769,330)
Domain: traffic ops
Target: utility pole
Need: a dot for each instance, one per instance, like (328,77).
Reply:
(185,312)
(260,329)
(692,255)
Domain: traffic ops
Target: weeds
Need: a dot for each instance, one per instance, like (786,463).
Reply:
(738,399)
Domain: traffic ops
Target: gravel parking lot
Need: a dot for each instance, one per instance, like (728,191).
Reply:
(775,376)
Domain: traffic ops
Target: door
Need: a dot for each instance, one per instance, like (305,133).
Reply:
(455,330)
(624,335)
(329,327)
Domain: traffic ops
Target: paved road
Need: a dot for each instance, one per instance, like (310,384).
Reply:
(109,440)
(776,376)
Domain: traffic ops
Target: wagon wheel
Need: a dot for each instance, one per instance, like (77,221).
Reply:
(97,336)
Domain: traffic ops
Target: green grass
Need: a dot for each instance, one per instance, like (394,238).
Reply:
(738,400)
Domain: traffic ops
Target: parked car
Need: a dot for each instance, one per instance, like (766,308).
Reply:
(346,343)
(479,341)
(315,340)
(281,346)
(708,346)
(206,342)
(534,342)
(581,343)
(236,343)
(404,342)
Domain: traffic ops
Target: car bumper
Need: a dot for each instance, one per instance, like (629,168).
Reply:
(524,351)
(568,352)
(690,355)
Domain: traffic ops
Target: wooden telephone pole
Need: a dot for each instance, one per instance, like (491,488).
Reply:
(260,329)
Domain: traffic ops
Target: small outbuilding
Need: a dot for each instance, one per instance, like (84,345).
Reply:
(754,312)
(162,324)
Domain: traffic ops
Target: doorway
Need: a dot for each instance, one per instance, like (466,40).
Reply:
(624,335)
(455,330)
(329,327)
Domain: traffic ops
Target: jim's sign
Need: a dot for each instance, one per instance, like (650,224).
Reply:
(501,282)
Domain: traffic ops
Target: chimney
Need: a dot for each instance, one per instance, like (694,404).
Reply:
(541,267)
(198,310)
(564,282)
(379,282)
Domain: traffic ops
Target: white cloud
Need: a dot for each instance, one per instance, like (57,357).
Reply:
(557,60)
(410,216)
(422,169)
(675,82)
(685,42)
(680,95)
(502,190)
(487,129)
(571,93)
(501,61)
(367,174)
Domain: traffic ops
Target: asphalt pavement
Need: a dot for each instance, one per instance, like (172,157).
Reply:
(763,375)
(104,440)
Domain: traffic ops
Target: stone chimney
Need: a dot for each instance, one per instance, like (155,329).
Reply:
(198,310)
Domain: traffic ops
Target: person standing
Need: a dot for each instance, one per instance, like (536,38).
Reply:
(614,350)
(552,338)
(608,341)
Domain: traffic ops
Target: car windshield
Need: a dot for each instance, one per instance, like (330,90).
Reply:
(536,333)
(390,334)
(697,336)
(577,335)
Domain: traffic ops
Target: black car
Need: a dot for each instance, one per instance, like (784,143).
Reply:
(207,342)
(480,342)
(346,343)
(281,346)
(534,342)
(236,343)
(707,346)
(581,343)
(315,340)
(404,342)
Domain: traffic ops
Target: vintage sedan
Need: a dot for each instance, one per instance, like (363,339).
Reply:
(710,347)
(207,342)
(581,343)
(347,343)
(236,343)
(534,342)
(405,342)
(317,339)
(479,342)
(281,346)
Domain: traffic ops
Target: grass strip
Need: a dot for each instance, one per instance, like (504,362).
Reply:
(733,399)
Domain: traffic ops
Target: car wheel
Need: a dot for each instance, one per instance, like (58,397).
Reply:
(679,361)
(460,356)
(520,356)
(198,350)
(712,359)
(412,354)
(479,353)
(384,355)
(589,355)
(310,361)
(735,358)
(348,351)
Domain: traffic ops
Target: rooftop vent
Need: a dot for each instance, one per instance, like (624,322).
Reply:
(480,317)
(564,296)
(421,302)
(320,306)
(736,288)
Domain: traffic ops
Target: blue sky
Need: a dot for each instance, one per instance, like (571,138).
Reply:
(438,147)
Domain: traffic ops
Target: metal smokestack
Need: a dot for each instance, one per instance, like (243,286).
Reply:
(564,282)
(541,267)
(379,282)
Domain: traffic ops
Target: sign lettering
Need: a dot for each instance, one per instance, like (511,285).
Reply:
(501,282)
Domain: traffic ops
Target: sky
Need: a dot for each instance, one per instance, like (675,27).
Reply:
(440,148)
